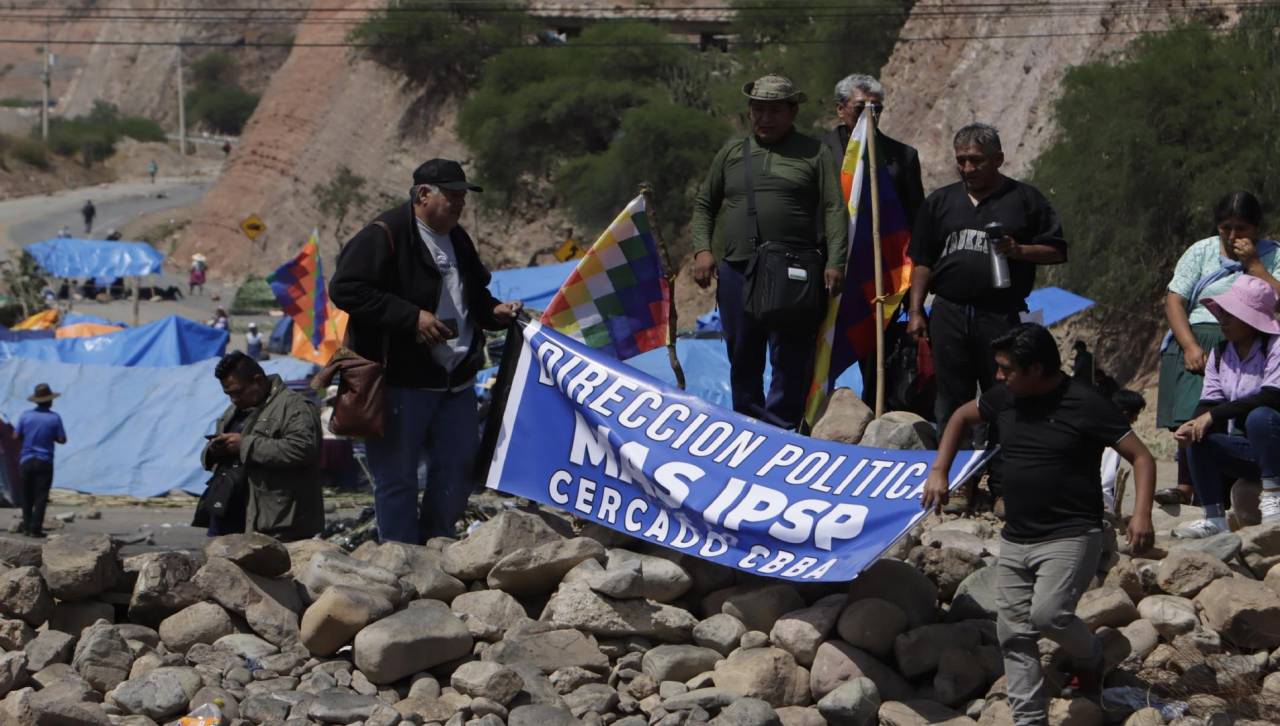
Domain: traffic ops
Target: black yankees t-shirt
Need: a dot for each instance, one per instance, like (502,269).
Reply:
(949,238)
(1052,447)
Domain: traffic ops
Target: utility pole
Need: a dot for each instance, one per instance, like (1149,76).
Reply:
(182,113)
(44,86)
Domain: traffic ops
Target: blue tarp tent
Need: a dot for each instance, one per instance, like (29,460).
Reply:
(173,341)
(100,259)
(74,318)
(129,430)
(10,336)
(534,286)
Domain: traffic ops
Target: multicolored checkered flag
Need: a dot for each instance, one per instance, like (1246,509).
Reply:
(617,299)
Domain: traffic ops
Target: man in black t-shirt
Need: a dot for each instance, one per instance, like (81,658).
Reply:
(1052,433)
(952,255)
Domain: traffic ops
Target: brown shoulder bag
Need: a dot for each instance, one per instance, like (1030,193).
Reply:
(359,410)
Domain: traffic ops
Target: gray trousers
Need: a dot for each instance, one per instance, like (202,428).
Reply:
(1039,586)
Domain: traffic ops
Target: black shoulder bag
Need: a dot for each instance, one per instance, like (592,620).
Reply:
(785,284)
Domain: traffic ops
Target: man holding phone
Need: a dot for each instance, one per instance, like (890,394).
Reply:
(415,289)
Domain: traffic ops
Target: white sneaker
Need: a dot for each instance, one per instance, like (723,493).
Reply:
(1269,505)
(1201,528)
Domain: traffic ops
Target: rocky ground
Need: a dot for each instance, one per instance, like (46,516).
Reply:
(527,621)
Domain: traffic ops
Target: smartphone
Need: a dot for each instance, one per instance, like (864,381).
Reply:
(452,325)
(211,436)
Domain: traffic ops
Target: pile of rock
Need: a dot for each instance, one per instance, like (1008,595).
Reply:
(524,623)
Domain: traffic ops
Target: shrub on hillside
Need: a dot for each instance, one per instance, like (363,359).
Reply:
(217,100)
(253,297)
(32,152)
(443,43)
(1135,174)
(94,136)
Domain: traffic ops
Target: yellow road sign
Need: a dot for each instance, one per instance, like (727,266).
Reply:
(569,250)
(252,226)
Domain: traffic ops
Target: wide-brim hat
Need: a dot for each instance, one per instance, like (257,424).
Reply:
(43,394)
(197,257)
(773,88)
(1249,300)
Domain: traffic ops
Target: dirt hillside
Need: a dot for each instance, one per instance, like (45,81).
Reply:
(936,86)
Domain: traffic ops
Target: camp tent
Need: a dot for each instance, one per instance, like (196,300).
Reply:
(172,341)
(103,260)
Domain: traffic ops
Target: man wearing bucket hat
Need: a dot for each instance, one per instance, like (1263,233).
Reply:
(416,291)
(1236,429)
(789,195)
(40,429)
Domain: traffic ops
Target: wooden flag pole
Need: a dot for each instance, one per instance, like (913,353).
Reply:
(669,272)
(879,264)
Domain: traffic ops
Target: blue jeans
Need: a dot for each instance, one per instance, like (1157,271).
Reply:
(790,354)
(442,426)
(1254,455)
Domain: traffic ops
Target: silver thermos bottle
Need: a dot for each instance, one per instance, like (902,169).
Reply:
(999,263)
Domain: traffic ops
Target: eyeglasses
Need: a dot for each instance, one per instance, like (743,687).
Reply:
(858,108)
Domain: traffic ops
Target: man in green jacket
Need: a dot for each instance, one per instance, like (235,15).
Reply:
(274,434)
(796,187)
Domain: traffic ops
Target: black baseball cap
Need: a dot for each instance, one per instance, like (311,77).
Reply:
(444,173)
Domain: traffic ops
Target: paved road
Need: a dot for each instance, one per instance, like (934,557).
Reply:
(30,219)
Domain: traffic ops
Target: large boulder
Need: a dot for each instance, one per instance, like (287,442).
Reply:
(254,552)
(49,647)
(79,566)
(538,570)
(13,671)
(902,585)
(24,595)
(473,557)
(1169,614)
(845,419)
(677,662)
(900,430)
(19,551)
(975,598)
(1246,612)
(800,632)
(960,677)
(203,622)
(327,569)
(720,632)
(418,566)
(770,674)
(661,579)
(920,712)
(760,606)
(15,634)
(872,624)
(1186,572)
(337,615)
(102,657)
(549,647)
(919,649)
(947,567)
(837,662)
(489,614)
(419,637)
(577,606)
(855,702)
(1260,548)
(481,679)
(301,552)
(159,694)
(1106,606)
(162,585)
(222,581)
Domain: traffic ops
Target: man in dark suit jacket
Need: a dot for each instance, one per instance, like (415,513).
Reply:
(853,94)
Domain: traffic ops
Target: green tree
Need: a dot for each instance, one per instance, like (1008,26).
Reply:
(591,119)
(442,43)
(340,196)
(24,280)
(1146,146)
(217,99)
(94,135)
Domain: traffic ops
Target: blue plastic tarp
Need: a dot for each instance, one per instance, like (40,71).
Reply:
(11,336)
(706,370)
(129,430)
(534,286)
(173,341)
(100,259)
(74,318)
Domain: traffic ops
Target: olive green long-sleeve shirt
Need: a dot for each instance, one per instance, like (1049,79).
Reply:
(798,199)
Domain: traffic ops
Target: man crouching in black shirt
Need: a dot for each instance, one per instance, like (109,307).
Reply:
(1052,432)
(953,248)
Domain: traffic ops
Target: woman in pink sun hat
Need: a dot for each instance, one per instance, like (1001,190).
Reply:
(1236,428)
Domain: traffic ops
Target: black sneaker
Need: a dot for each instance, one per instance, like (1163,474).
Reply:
(1088,677)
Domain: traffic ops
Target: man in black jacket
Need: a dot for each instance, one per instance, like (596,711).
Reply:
(416,292)
(853,94)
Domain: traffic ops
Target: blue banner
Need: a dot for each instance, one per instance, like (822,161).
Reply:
(588,434)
